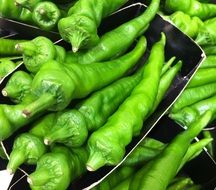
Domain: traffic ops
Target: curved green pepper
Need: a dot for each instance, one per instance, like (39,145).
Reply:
(107,144)
(80,27)
(18,86)
(57,84)
(209,62)
(180,184)
(117,41)
(151,176)
(36,52)
(27,148)
(6,66)
(192,7)
(46,15)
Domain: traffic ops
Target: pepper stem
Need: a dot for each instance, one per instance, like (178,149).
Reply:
(41,104)
(39,177)
(75,42)
(95,161)
(17,158)
(11,92)
(27,48)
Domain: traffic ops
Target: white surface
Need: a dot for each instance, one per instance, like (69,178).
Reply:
(5,179)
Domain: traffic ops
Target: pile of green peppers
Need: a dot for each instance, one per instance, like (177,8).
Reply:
(116,91)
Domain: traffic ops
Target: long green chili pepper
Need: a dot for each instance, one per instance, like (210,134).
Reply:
(209,62)
(46,15)
(80,27)
(57,84)
(210,147)
(36,52)
(194,95)
(202,77)
(91,113)
(151,176)
(118,40)
(206,34)
(181,184)
(18,86)
(107,144)
(189,114)
(189,25)
(6,66)
(55,170)
(192,7)
(167,65)
(209,50)
(27,148)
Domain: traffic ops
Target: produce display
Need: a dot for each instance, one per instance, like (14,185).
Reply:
(74,111)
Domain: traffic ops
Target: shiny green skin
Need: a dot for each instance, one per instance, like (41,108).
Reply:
(55,85)
(6,66)
(55,170)
(202,77)
(189,25)
(27,148)
(180,184)
(190,114)
(18,86)
(46,15)
(124,185)
(80,27)
(60,54)
(73,125)
(36,52)
(28,4)
(117,41)
(191,7)
(151,176)
(193,95)
(209,62)
(206,34)
(107,144)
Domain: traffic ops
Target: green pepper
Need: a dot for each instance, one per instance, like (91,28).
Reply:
(202,77)
(18,86)
(206,34)
(193,95)
(210,147)
(28,4)
(192,7)
(6,67)
(189,25)
(209,62)
(209,50)
(189,114)
(60,54)
(124,185)
(55,170)
(55,85)
(2,153)
(181,184)
(27,148)
(151,176)
(80,27)
(36,52)
(107,144)
(46,15)
(117,41)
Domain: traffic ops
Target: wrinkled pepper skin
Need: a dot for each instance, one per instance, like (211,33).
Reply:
(72,126)
(55,85)
(18,86)
(107,144)
(6,66)
(151,176)
(46,15)
(36,52)
(193,95)
(80,27)
(192,7)
(189,114)
(117,41)
(209,62)
(27,148)
(189,25)
(206,34)
(56,169)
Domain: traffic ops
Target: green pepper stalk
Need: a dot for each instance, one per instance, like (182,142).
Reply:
(189,25)
(151,176)
(192,7)
(194,95)
(202,77)
(27,148)
(206,34)
(73,125)
(46,15)
(107,144)
(18,86)
(117,41)
(189,114)
(57,84)
(80,27)
(36,52)
(209,62)
(55,170)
